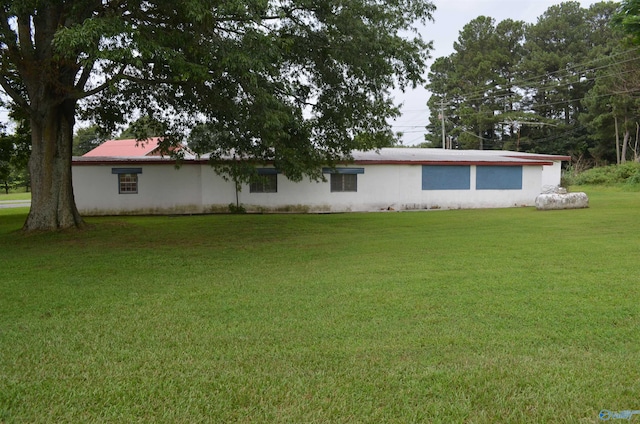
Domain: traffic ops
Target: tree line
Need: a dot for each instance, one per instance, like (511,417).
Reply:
(567,84)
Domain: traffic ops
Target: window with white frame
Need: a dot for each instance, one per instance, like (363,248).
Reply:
(127,179)
(128,183)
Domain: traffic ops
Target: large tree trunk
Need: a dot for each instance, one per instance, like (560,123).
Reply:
(52,203)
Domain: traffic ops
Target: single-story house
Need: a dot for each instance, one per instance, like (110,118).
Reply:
(386,179)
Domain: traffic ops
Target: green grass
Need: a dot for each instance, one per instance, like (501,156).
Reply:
(478,316)
(15,196)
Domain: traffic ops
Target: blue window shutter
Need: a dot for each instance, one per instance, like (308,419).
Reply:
(446,177)
(126,170)
(343,170)
(267,171)
(499,178)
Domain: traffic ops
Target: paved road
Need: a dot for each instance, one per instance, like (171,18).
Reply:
(14,204)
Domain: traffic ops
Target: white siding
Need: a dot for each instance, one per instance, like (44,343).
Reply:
(196,188)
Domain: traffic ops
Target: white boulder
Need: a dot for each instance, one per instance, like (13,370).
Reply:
(550,189)
(551,201)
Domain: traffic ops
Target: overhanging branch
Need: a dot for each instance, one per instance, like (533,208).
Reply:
(84,94)
(84,77)
(122,76)
(14,94)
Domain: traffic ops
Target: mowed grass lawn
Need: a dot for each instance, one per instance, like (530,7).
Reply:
(466,316)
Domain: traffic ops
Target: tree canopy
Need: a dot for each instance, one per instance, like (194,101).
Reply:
(566,84)
(293,82)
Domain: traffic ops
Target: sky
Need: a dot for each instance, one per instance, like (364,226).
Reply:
(450,16)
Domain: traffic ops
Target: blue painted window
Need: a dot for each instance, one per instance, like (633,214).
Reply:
(446,177)
(499,178)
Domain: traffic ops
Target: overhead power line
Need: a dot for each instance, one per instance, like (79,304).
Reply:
(498,92)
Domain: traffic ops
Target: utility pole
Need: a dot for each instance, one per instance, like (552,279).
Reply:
(444,145)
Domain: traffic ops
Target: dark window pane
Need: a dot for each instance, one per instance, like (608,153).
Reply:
(264,184)
(344,182)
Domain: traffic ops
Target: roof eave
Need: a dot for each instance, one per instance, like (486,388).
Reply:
(455,162)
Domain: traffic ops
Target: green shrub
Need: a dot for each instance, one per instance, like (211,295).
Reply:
(239,209)
(567,179)
(626,173)
(634,179)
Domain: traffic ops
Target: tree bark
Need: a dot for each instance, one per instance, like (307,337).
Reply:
(53,205)
(636,158)
(625,144)
(615,120)
(625,141)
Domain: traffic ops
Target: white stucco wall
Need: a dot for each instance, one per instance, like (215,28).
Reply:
(161,189)
(551,174)
(196,188)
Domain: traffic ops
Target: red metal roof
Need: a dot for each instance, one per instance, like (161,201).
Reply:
(125,148)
